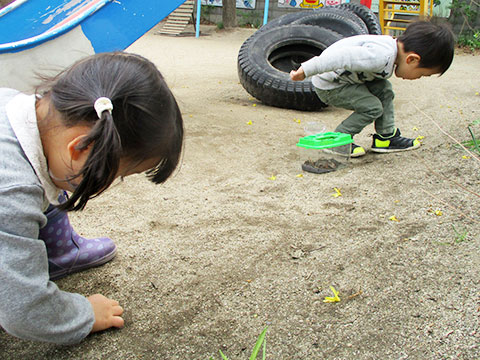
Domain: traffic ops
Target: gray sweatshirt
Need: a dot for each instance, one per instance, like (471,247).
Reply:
(31,306)
(353,60)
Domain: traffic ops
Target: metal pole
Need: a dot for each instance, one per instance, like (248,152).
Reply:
(199,9)
(265,12)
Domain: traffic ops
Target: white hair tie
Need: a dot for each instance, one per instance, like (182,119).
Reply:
(102,104)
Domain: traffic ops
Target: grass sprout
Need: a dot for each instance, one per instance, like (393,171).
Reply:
(460,236)
(474,144)
(256,349)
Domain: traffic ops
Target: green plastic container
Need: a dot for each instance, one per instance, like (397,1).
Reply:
(325,152)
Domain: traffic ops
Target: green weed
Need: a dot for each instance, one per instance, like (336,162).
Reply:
(260,341)
(474,144)
(470,40)
(467,12)
(460,236)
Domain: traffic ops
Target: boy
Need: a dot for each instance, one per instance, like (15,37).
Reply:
(352,74)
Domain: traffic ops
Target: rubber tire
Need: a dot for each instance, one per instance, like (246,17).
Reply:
(359,26)
(346,14)
(366,14)
(335,19)
(285,47)
(285,19)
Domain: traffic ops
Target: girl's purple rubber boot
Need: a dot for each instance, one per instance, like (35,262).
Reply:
(67,251)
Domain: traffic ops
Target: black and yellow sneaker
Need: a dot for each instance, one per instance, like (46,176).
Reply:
(393,143)
(357,151)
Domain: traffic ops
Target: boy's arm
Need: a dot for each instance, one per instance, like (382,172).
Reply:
(353,58)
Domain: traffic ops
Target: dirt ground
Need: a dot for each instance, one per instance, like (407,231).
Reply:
(241,238)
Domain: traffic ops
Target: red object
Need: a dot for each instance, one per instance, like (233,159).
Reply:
(367,3)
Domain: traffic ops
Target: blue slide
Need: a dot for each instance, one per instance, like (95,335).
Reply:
(40,33)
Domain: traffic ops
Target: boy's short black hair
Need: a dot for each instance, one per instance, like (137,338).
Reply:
(433,42)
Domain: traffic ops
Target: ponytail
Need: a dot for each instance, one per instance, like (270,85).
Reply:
(101,166)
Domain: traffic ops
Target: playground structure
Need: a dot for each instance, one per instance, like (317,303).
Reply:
(178,19)
(395,15)
(44,36)
(41,37)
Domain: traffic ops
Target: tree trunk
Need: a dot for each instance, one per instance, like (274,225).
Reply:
(5,3)
(229,13)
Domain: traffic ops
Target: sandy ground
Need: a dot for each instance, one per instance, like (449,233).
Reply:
(223,249)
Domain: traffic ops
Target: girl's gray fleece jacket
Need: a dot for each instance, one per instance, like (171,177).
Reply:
(31,306)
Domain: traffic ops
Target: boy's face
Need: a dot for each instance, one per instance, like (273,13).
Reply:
(410,69)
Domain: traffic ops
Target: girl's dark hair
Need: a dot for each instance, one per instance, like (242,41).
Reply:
(433,42)
(145,123)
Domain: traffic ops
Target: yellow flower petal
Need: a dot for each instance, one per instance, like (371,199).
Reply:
(438,212)
(273,177)
(420,137)
(477,93)
(337,192)
(249,122)
(299,175)
(254,105)
(465,157)
(393,218)
(330,299)
(415,128)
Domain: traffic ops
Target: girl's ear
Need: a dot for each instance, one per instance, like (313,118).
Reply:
(412,58)
(75,154)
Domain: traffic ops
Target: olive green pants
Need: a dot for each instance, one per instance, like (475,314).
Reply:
(371,102)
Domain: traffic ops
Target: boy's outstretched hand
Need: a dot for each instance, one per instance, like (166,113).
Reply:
(107,313)
(297,75)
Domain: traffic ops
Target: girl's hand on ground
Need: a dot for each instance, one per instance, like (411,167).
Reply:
(297,75)
(107,313)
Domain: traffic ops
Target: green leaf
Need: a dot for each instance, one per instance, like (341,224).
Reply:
(258,344)
(223,356)
(264,348)
(474,139)
(460,236)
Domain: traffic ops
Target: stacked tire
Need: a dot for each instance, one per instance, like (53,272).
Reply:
(266,58)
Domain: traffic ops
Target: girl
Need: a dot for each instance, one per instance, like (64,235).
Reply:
(107,116)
